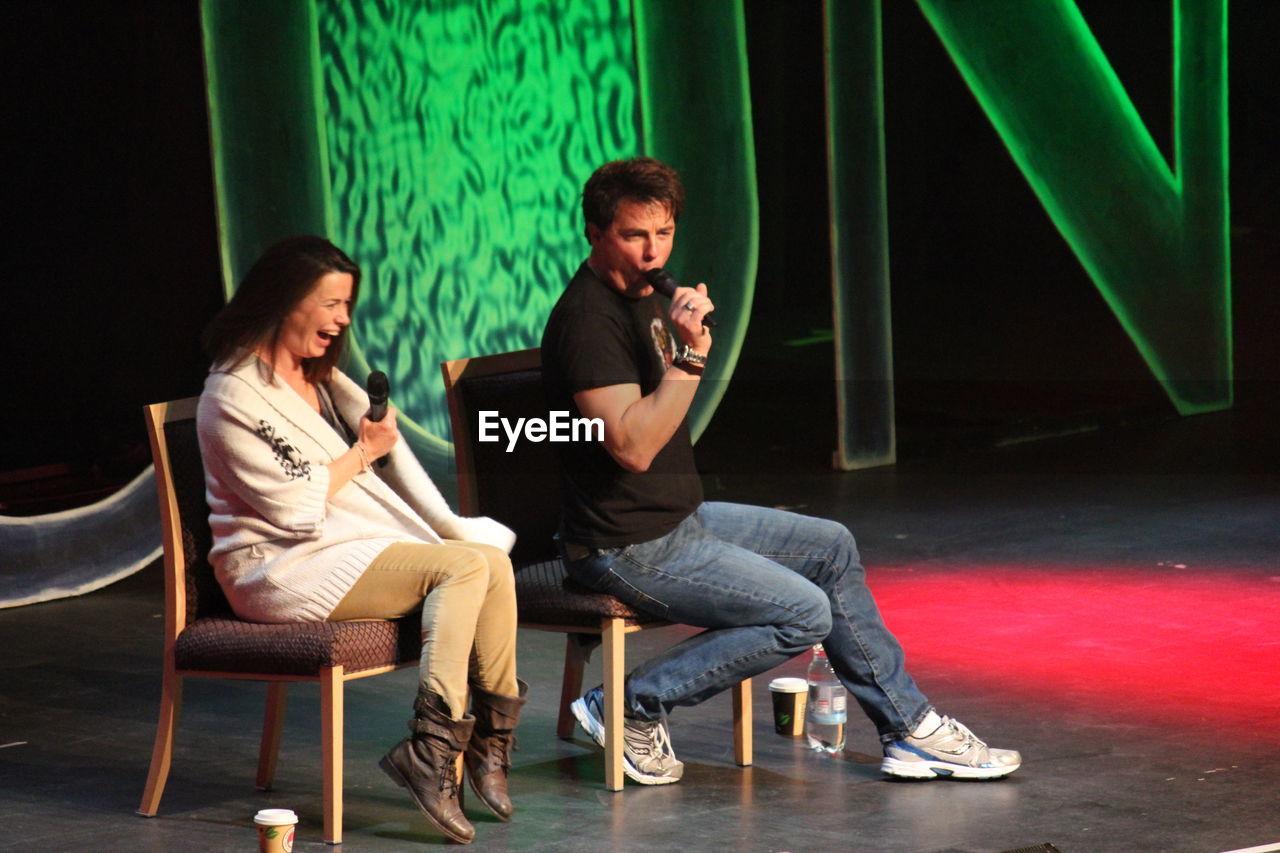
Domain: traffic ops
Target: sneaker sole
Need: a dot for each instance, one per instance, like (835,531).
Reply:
(941,770)
(596,730)
(587,720)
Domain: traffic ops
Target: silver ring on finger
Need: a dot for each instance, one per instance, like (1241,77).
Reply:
(688,306)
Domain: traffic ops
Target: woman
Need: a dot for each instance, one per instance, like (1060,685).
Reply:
(309,522)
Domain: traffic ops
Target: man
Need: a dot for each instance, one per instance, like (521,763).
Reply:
(766,584)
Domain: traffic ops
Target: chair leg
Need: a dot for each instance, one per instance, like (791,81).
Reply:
(577,651)
(742,722)
(331,750)
(272,725)
(614,665)
(162,751)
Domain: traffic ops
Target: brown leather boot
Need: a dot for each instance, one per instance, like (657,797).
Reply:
(425,764)
(488,755)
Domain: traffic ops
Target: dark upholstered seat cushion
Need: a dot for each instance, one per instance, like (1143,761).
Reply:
(547,596)
(226,644)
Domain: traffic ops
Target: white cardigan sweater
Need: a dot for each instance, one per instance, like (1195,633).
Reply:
(281,551)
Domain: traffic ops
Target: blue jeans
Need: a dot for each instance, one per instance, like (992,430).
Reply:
(767,585)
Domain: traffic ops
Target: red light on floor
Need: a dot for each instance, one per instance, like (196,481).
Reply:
(1199,649)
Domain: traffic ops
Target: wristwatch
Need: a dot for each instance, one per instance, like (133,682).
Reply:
(689,361)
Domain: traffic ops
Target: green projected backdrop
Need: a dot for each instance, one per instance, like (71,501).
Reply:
(444,145)
(1152,235)
(696,114)
(459,135)
(269,169)
(859,218)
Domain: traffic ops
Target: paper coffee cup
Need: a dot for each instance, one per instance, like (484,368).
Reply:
(789,698)
(275,830)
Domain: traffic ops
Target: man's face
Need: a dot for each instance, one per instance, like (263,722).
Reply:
(639,239)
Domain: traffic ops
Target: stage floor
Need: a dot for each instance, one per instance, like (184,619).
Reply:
(1108,603)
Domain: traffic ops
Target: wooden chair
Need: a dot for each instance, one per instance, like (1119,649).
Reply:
(521,489)
(202,637)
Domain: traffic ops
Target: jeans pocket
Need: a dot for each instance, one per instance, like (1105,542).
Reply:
(598,572)
(622,589)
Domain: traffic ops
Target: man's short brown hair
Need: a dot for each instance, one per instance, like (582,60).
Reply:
(641,179)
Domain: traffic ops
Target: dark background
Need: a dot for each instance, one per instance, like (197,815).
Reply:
(998,332)
(111,266)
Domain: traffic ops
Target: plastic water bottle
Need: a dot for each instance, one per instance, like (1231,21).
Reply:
(826,714)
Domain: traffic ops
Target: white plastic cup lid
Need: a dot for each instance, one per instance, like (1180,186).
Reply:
(275,817)
(789,685)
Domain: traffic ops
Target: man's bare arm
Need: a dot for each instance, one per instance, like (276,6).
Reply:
(637,427)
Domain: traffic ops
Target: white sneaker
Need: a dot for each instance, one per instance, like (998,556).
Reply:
(647,756)
(949,750)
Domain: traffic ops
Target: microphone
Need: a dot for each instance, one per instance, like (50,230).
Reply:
(379,389)
(662,282)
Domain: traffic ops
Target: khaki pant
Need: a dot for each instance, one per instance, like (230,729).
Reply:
(468,598)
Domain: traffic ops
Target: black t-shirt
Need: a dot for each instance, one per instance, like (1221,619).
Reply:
(597,337)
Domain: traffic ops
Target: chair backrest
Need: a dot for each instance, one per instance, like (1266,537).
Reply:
(192,591)
(520,487)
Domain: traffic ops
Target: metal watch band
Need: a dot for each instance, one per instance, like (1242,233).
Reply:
(684,355)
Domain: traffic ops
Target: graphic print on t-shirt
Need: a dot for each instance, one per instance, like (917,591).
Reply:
(663,343)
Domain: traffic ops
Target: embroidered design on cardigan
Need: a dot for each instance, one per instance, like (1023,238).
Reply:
(289,457)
